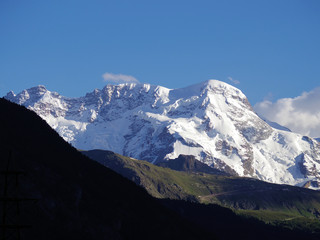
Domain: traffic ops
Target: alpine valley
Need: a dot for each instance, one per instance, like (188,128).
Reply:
(212,121)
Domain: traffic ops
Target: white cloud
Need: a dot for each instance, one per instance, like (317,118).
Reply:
(119,78)
(300,114)
(234,81)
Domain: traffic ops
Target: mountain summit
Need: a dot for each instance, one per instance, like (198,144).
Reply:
(212,120)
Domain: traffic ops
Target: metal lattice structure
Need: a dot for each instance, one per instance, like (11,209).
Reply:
(11,222)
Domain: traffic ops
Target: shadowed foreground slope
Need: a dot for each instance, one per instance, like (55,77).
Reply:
(77,198)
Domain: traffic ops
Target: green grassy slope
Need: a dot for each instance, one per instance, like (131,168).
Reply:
(282,205)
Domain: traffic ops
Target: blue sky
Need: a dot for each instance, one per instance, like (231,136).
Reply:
(272,48)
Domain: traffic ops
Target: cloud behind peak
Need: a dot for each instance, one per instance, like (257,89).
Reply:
(119,78)
(300,114)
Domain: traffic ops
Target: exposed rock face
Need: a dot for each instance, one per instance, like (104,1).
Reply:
(188,163)
(212,121)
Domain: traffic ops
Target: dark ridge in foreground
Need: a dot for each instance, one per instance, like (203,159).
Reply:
(77,198)
(73,197)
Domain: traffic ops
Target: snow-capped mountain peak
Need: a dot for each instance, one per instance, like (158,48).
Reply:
(212,121)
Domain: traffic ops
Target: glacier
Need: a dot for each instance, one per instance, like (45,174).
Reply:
(212,121)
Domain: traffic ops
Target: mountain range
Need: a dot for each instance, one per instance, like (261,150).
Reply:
(52,191)
(212,121)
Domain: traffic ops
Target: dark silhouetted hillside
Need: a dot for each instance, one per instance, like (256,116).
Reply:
(77,197)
